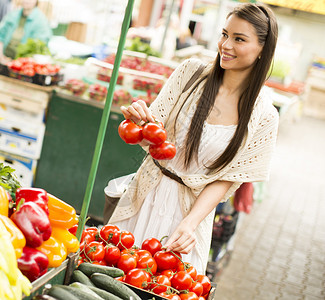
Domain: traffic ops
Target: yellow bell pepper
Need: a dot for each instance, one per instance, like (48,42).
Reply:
(17,238)
(4,202)
(67,238)
(61,214)
(55,251)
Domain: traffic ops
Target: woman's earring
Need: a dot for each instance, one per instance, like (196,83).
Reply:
(259,57)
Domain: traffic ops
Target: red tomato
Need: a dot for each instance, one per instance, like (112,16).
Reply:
(148,263)
(130,132)
(206,283)
(137,278)
(28,72)
(95,251)
(107,231)
(201,298)
(153,133)
(152,245)
(102,263)
(159,284)
(143,253)
(123,239)
(121,278)
(166,260)
(189,296)
(170,296)
(197,288)
(132,252)
(181,281)
(164,151)
(169,273)
(127,262)
(188,268)
(112,255)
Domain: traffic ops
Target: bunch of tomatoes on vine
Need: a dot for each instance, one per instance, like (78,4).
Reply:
(153,133)
(148,267)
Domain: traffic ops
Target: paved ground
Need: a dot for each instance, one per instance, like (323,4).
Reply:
(279,250)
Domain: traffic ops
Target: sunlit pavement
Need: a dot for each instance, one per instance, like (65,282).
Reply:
(279,250)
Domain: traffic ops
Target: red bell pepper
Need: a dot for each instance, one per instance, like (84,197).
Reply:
(33,222)
(38,196)
(33,263)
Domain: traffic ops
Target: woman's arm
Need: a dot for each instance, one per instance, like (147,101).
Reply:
(183,239)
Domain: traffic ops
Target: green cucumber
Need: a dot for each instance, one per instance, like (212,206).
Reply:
(78,276)
(113,286)
(82,291)
(89,269)
(104,294)
(60,293)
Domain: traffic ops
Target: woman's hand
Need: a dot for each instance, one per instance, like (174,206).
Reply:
(183,239)
(137,112)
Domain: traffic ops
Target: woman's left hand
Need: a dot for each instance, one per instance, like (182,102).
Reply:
(182,240)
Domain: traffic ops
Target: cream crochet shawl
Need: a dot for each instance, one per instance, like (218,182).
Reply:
(250,164)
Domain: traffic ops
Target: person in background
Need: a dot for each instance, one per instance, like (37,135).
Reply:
(224,128)
(21,24)
(4,8)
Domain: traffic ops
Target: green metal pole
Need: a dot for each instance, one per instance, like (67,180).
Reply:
(104,120)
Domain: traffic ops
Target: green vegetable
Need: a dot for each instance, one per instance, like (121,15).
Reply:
(113,286)
(78,276)
(83,292)
(89,269)
(31,47)
(138,46)
(60,293)
(104,294)
(8,180)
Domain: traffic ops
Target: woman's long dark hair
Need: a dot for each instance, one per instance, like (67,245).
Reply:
(264,22)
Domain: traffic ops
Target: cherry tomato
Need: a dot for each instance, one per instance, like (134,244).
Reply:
(188,268)
(166,260)
(137,278)
(143,253)
(95,251)
(148,263)
(112,255)
(205,281)
(130,132)
(189,296)
(164,151)
(101,262)
(121,278)
(127,262)
(197,288)
(171,296)
(123,239)
(107,231)
(152,245)
(132,252)
(169,273)
(154,133)
(181,281)
(159,284)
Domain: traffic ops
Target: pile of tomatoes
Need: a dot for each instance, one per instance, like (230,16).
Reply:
(153,133)
(148,267)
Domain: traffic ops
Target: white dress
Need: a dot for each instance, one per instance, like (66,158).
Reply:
(160,213)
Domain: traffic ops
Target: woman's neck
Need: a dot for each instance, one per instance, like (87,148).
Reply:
(233,81)
(27,11)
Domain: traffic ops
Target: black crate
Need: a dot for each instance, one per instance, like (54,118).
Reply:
(47,80)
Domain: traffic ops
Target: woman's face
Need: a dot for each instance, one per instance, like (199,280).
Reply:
(238,45)
(29,4)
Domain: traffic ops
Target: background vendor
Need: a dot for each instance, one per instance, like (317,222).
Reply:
(21,24)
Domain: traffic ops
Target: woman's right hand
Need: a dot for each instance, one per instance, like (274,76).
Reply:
(137,112)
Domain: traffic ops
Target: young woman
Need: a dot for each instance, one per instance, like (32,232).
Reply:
(224,129)
(21,24)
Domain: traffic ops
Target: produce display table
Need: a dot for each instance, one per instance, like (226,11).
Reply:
(71,129)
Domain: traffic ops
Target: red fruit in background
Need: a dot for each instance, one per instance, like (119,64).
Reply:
(188,268)
(107,231)
(169,273)
(112,255)
(166,260)
(148,263)
(143,253)
(159,284)
(197,288)
(123,239)
(138,278)
(206,283)
(152,245)
(127,262)
(95,251)
(181,281)
(164,151)
(130,132)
